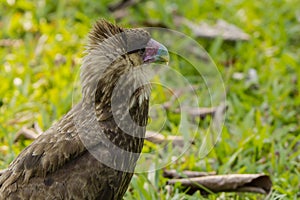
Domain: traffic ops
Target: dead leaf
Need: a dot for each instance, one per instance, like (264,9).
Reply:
(258,183)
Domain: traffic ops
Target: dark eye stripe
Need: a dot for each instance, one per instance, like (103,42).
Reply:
(124,56)
(131,61)
(137,51)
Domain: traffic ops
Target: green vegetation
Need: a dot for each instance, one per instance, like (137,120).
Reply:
(42,44)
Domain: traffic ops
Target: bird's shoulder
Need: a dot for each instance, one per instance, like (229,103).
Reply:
(51,150)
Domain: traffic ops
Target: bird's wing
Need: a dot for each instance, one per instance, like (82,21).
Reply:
(46,154)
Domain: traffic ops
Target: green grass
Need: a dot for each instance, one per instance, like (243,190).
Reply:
(39,77)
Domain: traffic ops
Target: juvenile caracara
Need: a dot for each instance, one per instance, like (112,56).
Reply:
(92,151)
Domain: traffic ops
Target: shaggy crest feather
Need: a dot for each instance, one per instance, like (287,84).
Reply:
(107,44)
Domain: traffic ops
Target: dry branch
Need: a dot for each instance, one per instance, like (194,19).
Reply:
(26,133)
(29,133)
(201,112)
(158,138)
(185,174)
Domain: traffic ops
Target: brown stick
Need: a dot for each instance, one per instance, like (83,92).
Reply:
(26,133)
(37,128)
(185,174)
(201,112)
(158,138)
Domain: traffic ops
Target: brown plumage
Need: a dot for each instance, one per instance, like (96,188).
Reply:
(92,151)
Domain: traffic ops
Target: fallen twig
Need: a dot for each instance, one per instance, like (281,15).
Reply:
(29,133)
(26,133)
(158,138)
(201,112)
(37,128)
(185,174)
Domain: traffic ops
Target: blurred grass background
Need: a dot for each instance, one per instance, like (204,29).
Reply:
(42,45)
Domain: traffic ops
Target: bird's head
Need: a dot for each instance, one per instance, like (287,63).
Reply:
(112,52)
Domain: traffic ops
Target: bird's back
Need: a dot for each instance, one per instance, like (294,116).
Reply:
(82,178)
(57,165)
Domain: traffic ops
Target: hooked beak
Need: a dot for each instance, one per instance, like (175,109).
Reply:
(155,53)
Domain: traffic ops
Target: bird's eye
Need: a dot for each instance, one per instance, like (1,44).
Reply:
(142,51)
(139,51)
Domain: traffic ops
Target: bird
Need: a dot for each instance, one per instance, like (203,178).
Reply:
(92,151)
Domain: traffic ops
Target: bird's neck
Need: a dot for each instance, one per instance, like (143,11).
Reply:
(120,93)
(121,103)
(128,120)
(118,101)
